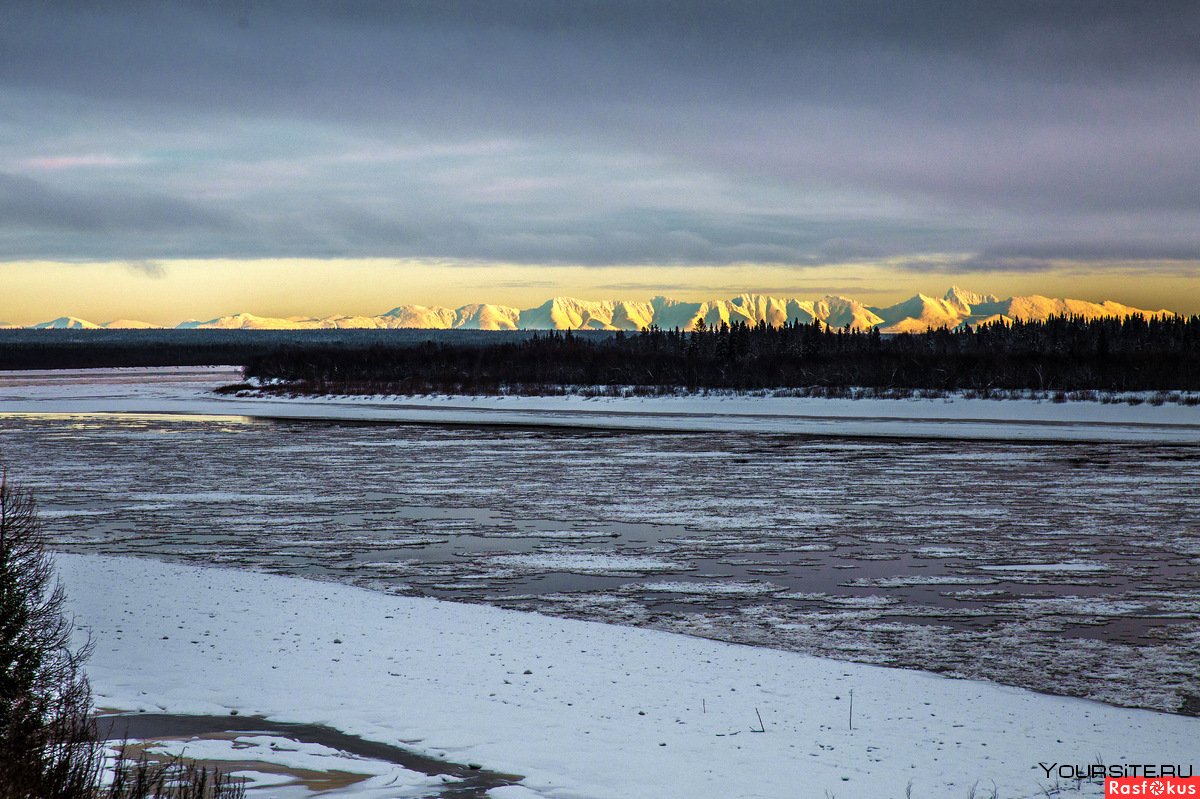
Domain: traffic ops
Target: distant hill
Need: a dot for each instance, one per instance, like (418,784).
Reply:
(75,323)
(917,314)
(129,324)
(65,323)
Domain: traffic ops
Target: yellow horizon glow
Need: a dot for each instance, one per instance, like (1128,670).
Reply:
(168,292)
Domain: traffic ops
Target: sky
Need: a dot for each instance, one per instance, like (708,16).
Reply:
(172,160)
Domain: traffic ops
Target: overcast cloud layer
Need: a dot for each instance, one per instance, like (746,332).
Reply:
(1009,135)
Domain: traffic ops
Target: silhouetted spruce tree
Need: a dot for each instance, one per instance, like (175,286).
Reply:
(48,742)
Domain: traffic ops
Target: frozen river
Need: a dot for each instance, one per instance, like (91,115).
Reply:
(1069,567)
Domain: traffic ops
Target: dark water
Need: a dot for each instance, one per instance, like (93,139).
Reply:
(1070,568)
(465,781)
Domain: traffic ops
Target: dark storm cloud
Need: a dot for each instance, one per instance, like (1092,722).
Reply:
(826,131)
(597,238)
(26,203)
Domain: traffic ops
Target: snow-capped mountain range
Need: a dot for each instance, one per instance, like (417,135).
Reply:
(562,313)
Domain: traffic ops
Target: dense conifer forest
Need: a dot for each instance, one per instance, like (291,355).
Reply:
(1061,354)
(87,349)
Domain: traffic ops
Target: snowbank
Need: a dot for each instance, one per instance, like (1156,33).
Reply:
(188,390)
(583,710)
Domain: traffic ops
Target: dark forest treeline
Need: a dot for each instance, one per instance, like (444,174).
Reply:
(1059,354)
(72,355)
(91,349)
(84,349)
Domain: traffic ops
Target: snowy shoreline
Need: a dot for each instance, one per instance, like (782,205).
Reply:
(582,710)
(189,391)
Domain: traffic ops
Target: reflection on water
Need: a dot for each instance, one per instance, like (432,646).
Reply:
(1073,568)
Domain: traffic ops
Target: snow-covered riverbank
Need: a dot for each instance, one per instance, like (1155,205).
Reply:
(189,391)
(580,709)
